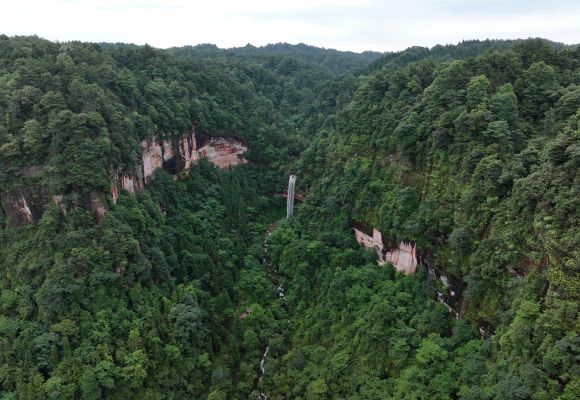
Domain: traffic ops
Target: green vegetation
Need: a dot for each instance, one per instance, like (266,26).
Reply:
(469,151)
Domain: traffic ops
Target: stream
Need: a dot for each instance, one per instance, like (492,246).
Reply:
(262,395)
(281,295)
(274,278)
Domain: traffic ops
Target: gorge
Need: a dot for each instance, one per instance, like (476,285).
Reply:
(289,222)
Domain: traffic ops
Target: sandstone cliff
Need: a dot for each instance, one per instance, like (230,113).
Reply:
(174,153)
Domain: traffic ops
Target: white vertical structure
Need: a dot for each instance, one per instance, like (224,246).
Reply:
(290,202)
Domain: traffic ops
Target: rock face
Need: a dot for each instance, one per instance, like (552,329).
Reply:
(174,153)
(370,242)
(188,150)
(449,292)
(223,152)
(16,208)
(130,182)
(97,205)
(177,155)
(403,257)
(58,201)
(152,157)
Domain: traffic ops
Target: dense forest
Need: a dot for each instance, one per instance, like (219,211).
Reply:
(197,286)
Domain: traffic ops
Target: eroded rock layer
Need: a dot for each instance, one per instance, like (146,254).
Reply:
(403,257)
(177,155)
(223,152)
(173,153)
(17,208)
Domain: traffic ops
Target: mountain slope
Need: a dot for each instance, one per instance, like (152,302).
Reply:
(169,287)
(475,161)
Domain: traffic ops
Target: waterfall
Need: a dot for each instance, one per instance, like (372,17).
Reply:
(290,202)
(262,361)
(262,395)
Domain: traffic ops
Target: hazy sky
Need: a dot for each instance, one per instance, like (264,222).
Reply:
(343,24)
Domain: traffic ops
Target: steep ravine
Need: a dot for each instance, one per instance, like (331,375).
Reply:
(266,262)
(275,279)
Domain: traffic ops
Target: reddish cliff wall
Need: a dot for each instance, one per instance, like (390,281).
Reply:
(175,153)
(403,257)
(188,150)
(178,155)
(223,152)
(156,154)
(152,157)
(97,205)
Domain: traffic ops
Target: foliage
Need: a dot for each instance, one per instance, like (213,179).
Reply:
(469,151)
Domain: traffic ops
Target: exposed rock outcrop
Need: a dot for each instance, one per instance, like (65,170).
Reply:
(17,208)
(24,205)
(58,201)
(188,150)
(223,152)
(152,157)
(156,154)
(177,154)
(403,257)
(97,205)
(246,313)
(449,291)
(130,182)
(174,153)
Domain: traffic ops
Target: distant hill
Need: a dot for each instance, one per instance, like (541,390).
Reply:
(334,60)
(461,50)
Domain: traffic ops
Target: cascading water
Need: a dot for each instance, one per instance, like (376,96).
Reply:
(290,202)
(281,291)
(266,263)
(258,388)
(262,395)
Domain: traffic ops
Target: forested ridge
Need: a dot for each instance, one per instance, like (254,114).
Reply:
(470,152)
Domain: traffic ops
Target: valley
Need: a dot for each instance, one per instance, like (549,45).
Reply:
(289,222)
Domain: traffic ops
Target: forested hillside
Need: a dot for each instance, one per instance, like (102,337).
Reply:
(476,162)
(186,285)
